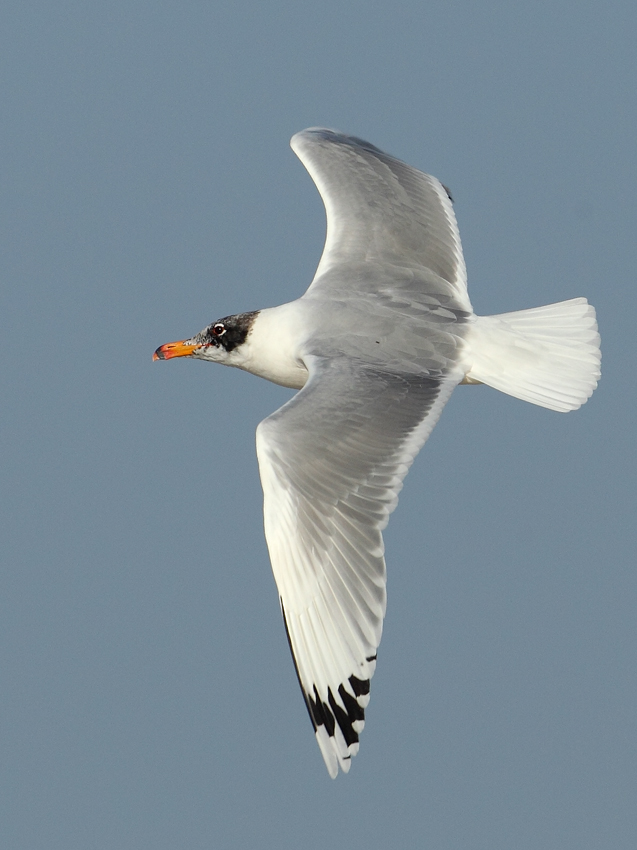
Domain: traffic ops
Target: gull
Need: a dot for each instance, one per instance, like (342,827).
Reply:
(375,347)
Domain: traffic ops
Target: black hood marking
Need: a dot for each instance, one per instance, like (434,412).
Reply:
(237,328)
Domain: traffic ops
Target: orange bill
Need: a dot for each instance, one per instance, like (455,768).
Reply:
(174,349)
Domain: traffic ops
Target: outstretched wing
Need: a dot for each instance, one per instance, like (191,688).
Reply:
(382,211)
(332,462)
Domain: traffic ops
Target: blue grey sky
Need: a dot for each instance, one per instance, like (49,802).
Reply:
(148,699)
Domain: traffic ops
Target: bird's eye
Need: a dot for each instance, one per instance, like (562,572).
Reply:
(218,329)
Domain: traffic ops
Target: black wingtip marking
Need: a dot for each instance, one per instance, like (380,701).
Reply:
(359,686)
(343,719)
(330,713)
(322,716)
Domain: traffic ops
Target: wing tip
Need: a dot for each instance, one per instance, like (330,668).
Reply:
(326,134)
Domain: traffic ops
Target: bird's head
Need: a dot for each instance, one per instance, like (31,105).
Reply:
(216,342)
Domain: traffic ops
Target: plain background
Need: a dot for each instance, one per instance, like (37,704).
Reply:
(147,188)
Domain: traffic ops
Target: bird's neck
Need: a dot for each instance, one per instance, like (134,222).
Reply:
(273,347)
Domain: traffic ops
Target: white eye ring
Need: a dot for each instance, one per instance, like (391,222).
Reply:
(218,329)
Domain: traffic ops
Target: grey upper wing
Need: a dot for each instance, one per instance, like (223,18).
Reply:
(383,211)
(332,462)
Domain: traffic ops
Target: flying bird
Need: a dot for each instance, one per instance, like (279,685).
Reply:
(375,347)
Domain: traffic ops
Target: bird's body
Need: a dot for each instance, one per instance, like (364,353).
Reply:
(376,345)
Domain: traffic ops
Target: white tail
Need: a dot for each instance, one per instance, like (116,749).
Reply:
(547,355)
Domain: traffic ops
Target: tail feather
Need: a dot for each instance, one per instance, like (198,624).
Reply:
(547,355)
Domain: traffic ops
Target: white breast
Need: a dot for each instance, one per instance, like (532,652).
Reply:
(272,349)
